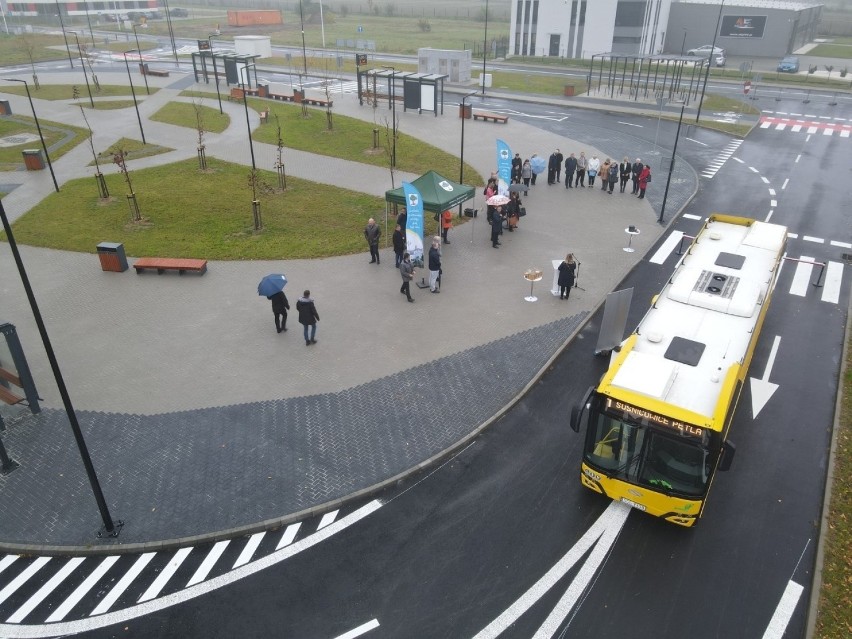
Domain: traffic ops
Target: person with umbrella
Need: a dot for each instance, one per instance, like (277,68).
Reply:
(538,165)
(272,287)
(496,226)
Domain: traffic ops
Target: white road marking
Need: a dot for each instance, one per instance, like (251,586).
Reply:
(62,611)
(798,157)
(812,130)
(796,114)
(630,124)
(289,535)
(841,244)
(248,549)
(690,216)
(831,286)
(7,561)
(666,247)
(122,585)
(613,517)
(45,590)
(762,389)
(360,630)
(781,126)
(793,236)
(163,578)
(773,203)
(738,160)
(802,276)
(772,191)
(784,186)
(817,240)
(327,519)
(796,128)
(208,563)
(765,125)
(768,216)
(784,611)
(696,141)
(825,117)
(808,115)
(828,131)
(149,607)
(808,139)
(765,181)
(753,170)
(844,133)
(21,579)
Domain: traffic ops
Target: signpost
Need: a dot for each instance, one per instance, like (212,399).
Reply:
(746,87)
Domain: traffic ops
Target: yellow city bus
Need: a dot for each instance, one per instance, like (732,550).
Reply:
(657,423)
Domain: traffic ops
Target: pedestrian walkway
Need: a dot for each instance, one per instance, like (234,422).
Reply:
(201,418)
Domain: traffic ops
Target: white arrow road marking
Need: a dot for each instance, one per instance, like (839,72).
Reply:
(762,389)
(360,630)
(8,631)
(785,609)
(605,529)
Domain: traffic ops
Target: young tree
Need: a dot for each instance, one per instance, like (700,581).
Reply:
(279,162)
(103,191)
(28,44)
(199,127)
(119,157)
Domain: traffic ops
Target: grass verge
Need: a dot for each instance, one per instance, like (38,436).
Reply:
(53,132)
(66,91)
(183,114)
(133,149)
(833,50)
(203,214)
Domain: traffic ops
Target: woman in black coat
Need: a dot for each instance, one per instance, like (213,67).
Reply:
(566,276)
(280,306)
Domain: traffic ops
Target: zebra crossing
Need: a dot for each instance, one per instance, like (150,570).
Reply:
(53,596)
(807,273)
(719,161)
(811,127)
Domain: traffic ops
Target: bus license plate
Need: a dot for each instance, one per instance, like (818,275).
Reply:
(633,504)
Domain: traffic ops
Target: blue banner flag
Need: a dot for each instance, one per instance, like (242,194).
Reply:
(504,163)
(414,225)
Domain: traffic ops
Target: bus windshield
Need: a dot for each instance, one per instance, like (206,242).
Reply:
(635,452)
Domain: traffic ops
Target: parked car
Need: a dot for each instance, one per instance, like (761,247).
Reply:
(789,64)
(719,58)
(177,12)
(134,16)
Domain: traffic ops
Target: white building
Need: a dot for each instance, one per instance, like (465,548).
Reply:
(581,28)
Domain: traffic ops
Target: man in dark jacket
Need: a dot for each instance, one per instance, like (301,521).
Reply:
(570,168)
(308,317)
(636,170)
(398,244)
(280,306)
(372,233)
(552,164)
(435,265)
(496,226)
(559,158)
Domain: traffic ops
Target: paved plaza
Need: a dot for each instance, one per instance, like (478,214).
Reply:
(202,420)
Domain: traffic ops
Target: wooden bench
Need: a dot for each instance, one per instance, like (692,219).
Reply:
(5,394)
(162,73)
(162,264)
(236,94)
(317,101)
(490,117)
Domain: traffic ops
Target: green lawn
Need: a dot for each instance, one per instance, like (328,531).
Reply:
(835,606)
(10,157)
(16,49)
(832,51)
(183,114)
(189,213)
(66,91)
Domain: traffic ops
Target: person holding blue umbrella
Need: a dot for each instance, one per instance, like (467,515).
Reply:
(272,287)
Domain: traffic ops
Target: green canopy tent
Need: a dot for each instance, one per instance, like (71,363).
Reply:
(439,194)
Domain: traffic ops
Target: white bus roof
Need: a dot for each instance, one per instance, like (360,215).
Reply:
(679,360)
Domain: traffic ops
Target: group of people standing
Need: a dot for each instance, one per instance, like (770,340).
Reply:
(608,173)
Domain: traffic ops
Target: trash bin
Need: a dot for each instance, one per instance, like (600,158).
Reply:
(263,90)
(5,107)
(33,159)
(470,212)
(465,111)
(569,90)
(112,257)
(298,95)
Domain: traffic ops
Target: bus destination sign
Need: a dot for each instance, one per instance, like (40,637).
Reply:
(621,410)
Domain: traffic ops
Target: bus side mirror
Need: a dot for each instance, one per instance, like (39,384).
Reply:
(575,418)
(728,450)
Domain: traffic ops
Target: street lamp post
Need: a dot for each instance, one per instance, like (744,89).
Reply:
(138,48)
(65,37)
(683,44)
(484,48)
(133,92)
(89,20)
(302,22)
(215,73)
(38,127)
(171,31)
(709,61)
(245,105)
(661,219)
(112,528)
(463,117)
(393,111)
(83,64)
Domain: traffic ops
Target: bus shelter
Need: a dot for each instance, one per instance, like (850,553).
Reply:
(416,91)
(647,78)
(210,65)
